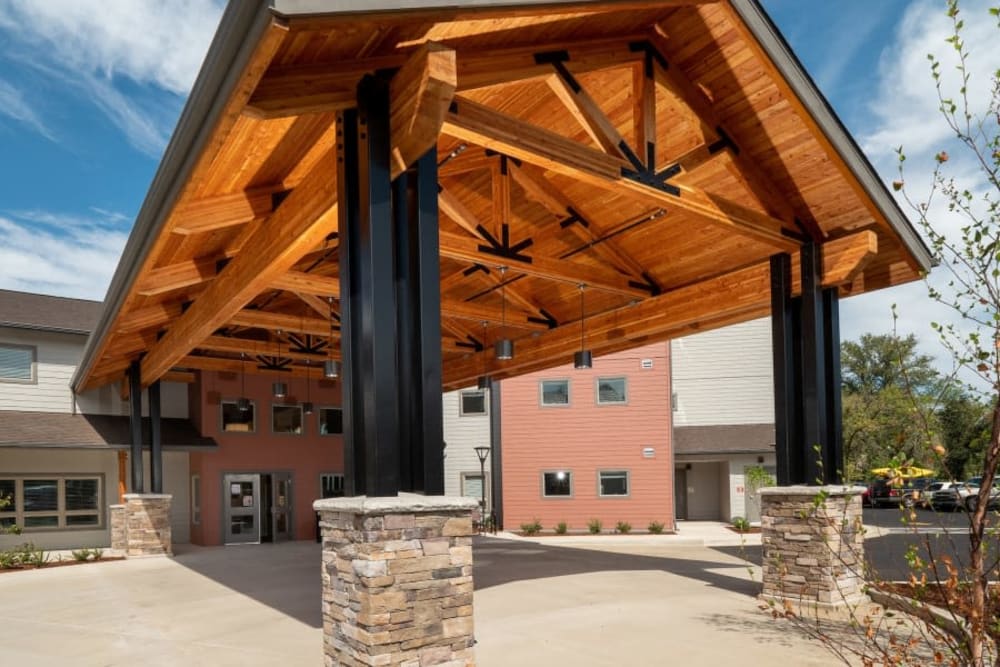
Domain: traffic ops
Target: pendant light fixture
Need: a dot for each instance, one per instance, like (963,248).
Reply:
(243,403)
(279,388)
(584,358)
(331,367)
(504,346)
(483,382)
(307,407)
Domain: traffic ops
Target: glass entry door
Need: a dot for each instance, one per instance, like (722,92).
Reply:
(281,506)
(242,509)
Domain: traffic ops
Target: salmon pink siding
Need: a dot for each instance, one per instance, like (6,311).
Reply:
(586,437)
(305,455)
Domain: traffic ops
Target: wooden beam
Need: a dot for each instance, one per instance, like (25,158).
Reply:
(261,319)
(177,276)
(596,277)
(456,211)
(291,91)
(420,93)
(148,317)
(180,377)
(206,215)
(253,348)
(318,305)
(588,114)
(481,125)
(301,222)
(307,283)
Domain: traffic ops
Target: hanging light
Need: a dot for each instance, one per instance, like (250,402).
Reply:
(504,347)
(243,403)
(279,388)
(307,407)
(483,382)
(584,358)
(331,367)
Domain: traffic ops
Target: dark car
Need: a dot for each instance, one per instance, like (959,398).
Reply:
(884,492)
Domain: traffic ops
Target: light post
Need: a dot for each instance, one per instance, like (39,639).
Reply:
(482,453)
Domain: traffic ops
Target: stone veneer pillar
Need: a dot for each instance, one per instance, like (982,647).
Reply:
(147,524)
(116,514)
(397,581)
(813,547)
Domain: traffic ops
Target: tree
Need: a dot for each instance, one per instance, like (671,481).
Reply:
(964,424)
(883,361)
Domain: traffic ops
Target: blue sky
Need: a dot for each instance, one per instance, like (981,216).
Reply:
(90,92)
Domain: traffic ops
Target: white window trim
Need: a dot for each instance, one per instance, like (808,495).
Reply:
(597,389)
(60,512)
(555,471)
(541,393)
(253,422)
(628,483)
(486,484)
(34,364)
(319,421)
(302,419)
(333,475)
(461,403)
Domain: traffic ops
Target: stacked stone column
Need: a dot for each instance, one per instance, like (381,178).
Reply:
(813,546)
(117,522)
(147,525)
(397,581)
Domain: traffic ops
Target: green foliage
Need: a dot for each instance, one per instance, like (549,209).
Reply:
(623,527)
(23,555)
(757,477)
(741,524)
(561,528)
(964,424)
(83,555)
(532,528)
(655,527)
(594,526)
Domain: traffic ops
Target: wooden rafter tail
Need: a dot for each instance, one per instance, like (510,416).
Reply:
(206,215)
(420,92)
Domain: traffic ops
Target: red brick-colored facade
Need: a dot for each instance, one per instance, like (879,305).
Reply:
(584,438)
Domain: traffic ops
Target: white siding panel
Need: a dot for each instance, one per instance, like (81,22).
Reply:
(55,361)
(462,434)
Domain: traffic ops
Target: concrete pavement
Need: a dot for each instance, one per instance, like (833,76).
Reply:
(644,602)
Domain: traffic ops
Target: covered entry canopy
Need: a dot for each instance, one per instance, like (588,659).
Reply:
(656,152)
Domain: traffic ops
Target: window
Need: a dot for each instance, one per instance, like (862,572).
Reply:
(331,421)
(331,485)
(612,483)
(39,502)
(286,419)
(235,420)
(555,392)
(472,403)
(17,363)
(472,485)
(557,483)
(611,391)
(196,499)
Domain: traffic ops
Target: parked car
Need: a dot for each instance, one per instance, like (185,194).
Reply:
(924,499)
(951,496)
(972,501)
(884,492)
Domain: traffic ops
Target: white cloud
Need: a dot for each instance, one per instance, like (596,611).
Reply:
(66,255)
(13,105)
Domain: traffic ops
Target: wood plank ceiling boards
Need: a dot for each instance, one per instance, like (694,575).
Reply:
(658,152)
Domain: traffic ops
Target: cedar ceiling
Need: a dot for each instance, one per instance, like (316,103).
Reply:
(754,176)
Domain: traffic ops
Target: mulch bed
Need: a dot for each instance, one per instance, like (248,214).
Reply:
(589,534)
(932,594)
(60,563)
(749,531)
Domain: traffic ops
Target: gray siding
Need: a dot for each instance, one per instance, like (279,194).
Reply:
(463,434)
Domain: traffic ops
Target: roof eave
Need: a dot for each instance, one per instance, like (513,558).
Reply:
(781,55)
(240,29)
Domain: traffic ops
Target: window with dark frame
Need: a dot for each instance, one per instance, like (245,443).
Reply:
(286,419)
(555,392)
(41,502)
(235,420)
(612,390)
(558,483)
(472,402)
(331,485)
(331,421)
(17,363)
(613,483)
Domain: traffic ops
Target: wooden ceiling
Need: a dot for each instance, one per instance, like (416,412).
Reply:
(650,151)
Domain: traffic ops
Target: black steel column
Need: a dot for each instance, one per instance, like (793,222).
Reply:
(155,442)
(135,424)
(418,296)
(783,343)
(833,461)
(814,381)
(496,456)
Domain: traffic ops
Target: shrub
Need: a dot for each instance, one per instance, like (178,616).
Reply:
(32,556)
(741,524)
(623,527)
(656,527)
(561,528)
(594,526)
(81,555)
(532,528)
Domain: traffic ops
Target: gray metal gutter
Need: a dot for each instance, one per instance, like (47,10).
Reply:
(240,29)
(37,327)
(801,83)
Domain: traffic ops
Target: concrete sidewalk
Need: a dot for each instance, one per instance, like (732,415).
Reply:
(613,603)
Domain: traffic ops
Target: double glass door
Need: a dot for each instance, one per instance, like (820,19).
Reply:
(257,508)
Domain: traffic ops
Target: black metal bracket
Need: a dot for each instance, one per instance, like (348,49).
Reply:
(307,344)
(269,363)
(474,269)
(724,141)
(503,168)
(472,344)
(547,318)
(649,286)
(574,217)
(502,247)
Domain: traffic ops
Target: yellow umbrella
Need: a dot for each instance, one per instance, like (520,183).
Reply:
(906,472)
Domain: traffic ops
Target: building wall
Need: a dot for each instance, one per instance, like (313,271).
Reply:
(305,455)
(462,433)
(584,438)
(724,376)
